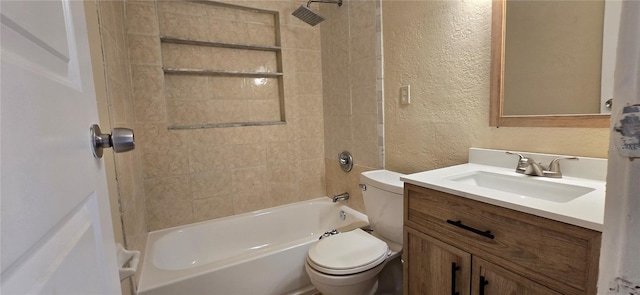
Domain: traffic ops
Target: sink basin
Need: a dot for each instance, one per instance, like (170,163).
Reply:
(524,187)
(489,177)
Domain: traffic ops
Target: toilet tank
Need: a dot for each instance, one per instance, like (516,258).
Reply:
(383,202)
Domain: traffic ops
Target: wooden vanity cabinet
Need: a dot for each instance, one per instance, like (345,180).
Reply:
(488,278)
(515,252)
(434,267)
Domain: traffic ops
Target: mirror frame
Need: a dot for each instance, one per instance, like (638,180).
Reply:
(496,96)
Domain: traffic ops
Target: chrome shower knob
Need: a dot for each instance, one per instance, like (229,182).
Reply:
(346,161)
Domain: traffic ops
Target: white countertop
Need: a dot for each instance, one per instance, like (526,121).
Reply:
(586,210)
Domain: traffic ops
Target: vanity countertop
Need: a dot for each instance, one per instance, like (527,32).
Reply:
(585,179)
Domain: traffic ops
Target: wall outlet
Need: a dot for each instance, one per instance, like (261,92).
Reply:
(405,94)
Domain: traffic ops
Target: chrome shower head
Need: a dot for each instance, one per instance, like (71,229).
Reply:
(307,15)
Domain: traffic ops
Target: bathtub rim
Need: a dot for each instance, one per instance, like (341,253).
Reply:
(361,220)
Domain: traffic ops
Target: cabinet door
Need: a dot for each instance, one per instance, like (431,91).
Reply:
(490,279)
(434,268)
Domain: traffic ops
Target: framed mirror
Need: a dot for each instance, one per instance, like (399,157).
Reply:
(552,62)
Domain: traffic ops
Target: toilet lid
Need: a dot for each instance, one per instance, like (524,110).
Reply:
(349,252)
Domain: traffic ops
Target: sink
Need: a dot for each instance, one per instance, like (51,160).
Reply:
(490,177)
(523,186)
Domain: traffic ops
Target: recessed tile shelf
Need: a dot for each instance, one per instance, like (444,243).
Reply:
(187,70)
(224,125)
(220,73)
(169,39)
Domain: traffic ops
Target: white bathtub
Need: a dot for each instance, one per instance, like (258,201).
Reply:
(261,252)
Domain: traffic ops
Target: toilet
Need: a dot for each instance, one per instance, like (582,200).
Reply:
(349,262)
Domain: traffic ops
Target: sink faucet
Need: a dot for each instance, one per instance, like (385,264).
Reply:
(341,197)
(530,167)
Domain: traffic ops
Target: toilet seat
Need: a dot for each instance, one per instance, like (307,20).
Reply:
(347,253)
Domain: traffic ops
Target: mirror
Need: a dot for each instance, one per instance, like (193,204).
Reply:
(552,62)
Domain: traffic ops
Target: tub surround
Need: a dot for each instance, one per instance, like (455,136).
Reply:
(200,174)
(351,47)
(586,210)
(339,182)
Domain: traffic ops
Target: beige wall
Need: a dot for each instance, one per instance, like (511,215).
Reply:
(105,23)
(442,49)
(200,174)
(553,56)
(351,67)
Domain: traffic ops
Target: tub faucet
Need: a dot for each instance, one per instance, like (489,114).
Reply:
(341,197)
(530,167)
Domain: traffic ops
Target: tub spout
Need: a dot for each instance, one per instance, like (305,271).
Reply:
(341,197)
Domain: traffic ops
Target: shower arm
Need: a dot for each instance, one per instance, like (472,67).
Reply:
(339,2)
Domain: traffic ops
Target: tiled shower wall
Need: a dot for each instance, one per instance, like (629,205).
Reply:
(198,174)
(130,214)
(352,89)
(205,100)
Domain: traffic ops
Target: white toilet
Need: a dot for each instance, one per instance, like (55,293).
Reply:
(349,262)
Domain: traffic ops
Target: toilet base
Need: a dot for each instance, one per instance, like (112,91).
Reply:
(390,278)
(363,288)
(364,283)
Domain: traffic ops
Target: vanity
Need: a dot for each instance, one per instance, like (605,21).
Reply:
(482,228)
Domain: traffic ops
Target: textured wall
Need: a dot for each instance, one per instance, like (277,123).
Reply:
(106,26)
(442,49)
(352,93)
(200,174)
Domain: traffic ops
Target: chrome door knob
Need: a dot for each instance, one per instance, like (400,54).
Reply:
(121,140)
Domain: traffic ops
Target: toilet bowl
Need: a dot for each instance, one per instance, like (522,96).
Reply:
(349,262)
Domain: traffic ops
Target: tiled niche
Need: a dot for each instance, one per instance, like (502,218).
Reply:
(222,64)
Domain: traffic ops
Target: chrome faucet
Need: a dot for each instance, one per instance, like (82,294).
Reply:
(341,197)
(530,167)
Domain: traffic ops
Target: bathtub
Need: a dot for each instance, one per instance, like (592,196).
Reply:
(261,252)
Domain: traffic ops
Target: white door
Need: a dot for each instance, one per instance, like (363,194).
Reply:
(55,225)
(620,254)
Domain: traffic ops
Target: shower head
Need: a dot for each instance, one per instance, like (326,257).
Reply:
(307,15)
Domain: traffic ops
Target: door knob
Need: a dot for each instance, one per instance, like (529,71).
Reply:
(121,140)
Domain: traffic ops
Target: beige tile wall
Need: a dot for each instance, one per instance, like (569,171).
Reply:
(351,115)
(214,58)
(216,23)
(200,174)
(219,99)
(124,170)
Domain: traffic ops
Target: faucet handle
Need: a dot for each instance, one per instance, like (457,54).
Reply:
(523,162)
(517,154)
(554,166)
